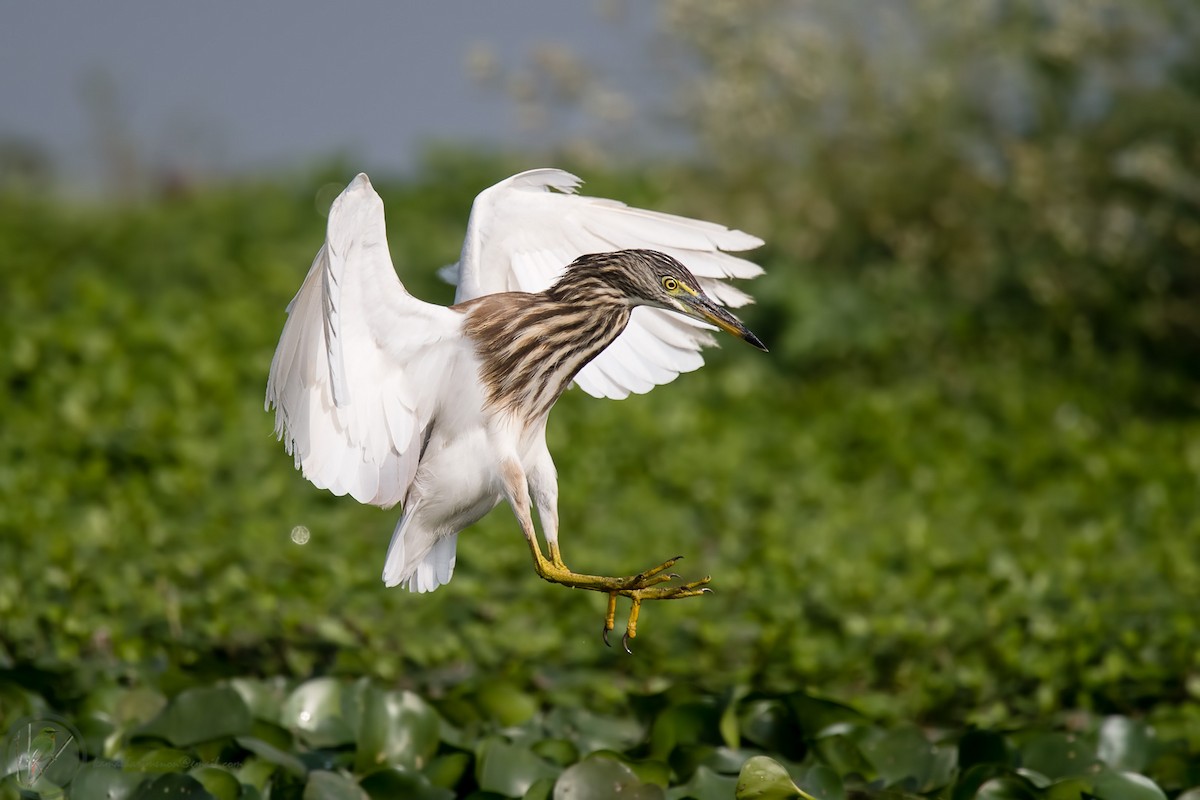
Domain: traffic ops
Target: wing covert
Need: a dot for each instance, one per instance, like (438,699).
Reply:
(524,231)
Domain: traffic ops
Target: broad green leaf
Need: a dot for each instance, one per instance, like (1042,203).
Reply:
(843,756)
(764,778)
(815,714)
(264,697)
(509,769)
(161,760)
(505,702)
(768,723)
(447,770)
(324,785)
(686,723)
(396,729)
(322,711)
(591,732)
(1057,755)
(1124,744)
(389,783)
(198,715)
(1112,785)
(705,785)
(599,778)
(98,781)
(1007,787)
(822,783)
(900,753)
(217,782)
(556,751)
(273,755)
(172,786)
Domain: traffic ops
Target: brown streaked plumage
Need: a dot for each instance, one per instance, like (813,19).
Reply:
(531,345)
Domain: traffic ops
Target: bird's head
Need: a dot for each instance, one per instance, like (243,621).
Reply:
(651,278)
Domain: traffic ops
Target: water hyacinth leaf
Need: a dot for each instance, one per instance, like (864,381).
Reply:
(764,778)
(138,705)
(843,755)
(648,770)
(273,755)
(1190,794)
(172,786)
(1057,755)
(322,711)
(391,782)
(1113,785)
(729,724)
(705,785)
(100,781)
(823,783)
(505,702)
(973,778)
(1124,744)
(542,789)
(981,747)
(397,729)
(556,751)
(257,772)
(768,723)
(1007,787)
(325,785)
(161,760)
(217,782)
(686,723)
(508,769)
(1067,789)
(815,714)
(264,697)
(598,777)
(447,770)
(899,754)
(590,731)
(198,715)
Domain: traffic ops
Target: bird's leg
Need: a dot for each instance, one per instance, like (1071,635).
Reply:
(645,585)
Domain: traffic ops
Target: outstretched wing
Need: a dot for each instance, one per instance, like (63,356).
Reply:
(354,381)
(525,230)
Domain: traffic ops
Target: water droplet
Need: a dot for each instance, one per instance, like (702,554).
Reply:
(300,534)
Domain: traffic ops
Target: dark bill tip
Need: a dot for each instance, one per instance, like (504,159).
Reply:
(754,340)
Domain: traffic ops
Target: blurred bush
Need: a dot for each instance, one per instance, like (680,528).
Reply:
(1036,159)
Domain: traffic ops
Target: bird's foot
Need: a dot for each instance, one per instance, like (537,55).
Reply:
(646,585)
(650,592)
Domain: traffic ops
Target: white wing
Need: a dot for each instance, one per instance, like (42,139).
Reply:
(522,235)
(354,378)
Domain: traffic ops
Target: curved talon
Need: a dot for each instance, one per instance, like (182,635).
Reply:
(604,636)
(625,643)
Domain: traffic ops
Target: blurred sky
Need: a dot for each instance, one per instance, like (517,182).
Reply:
(270,83)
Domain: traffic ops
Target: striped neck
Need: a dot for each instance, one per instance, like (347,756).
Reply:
(532,345)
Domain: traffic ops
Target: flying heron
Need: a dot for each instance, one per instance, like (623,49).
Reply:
(443,409)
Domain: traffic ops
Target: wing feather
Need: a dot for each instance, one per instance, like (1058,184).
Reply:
(525,230)
(342,379)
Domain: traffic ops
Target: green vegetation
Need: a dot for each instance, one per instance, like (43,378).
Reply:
(952,519)
(931,518)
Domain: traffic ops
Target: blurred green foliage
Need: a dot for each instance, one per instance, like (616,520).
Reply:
(961,491)
(935,521)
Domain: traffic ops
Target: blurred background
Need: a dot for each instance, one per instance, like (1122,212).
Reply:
(961,489)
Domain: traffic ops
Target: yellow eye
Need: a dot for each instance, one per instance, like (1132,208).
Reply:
(670,284)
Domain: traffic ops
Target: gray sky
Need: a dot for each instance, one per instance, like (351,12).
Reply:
(264,83)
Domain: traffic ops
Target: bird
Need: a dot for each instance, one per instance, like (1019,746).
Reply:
(443,409)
